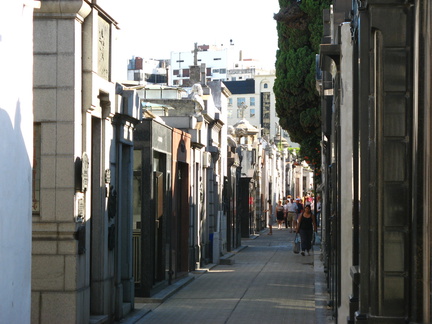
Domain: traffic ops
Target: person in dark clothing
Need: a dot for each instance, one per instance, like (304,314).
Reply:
(280,214)
(299,207)
(306,225)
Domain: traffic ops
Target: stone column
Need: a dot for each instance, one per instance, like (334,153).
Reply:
(58,271)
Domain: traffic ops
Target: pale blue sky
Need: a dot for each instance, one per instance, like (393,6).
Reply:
(152,29)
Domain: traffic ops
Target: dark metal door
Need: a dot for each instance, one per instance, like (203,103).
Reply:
(159,210)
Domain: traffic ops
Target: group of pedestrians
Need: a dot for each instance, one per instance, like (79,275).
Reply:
(297,217)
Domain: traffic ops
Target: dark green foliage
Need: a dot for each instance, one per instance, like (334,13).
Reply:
(299,26)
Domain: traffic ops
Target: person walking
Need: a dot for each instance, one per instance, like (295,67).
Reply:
(306,225)
(285,211)
(288,223)
(318,211)
(280,214)
(291,210)
(270,218)
(299,207)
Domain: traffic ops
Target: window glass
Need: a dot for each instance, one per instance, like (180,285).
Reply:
(230,112)
(241,101)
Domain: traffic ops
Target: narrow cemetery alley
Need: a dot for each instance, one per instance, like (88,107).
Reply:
(262,282)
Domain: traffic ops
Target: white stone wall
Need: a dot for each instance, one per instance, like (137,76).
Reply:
(346,173)
(16,158)
(58,110)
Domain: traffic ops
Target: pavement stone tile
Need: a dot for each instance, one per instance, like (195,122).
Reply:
(265,283)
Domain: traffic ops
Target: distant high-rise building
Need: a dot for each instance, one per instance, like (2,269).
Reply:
(216,63)
(147,70)
(253,100)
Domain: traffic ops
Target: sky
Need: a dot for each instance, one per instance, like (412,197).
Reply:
(152,29)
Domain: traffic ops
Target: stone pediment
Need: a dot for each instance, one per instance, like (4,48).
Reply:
(179,107)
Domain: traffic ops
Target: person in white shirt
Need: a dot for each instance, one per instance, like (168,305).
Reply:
(291,214)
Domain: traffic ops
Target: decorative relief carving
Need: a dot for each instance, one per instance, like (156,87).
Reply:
(104,48)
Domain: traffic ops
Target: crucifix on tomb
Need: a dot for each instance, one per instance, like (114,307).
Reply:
(195,51)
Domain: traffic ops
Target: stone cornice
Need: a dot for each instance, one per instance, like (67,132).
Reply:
(64,9)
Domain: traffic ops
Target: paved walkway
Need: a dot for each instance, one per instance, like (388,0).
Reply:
(266,283)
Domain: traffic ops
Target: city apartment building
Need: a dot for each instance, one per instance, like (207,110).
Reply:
(254,100)
(147,70)
(218,63)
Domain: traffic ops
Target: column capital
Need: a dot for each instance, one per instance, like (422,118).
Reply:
(64,9)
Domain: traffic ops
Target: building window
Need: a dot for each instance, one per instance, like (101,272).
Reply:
(252,101)
(252,112)
(217,59)
(241,101)
(215,70)
(138,76)
(222,71)
(230,101)
(208,71)
(230,112)
(265,85)
(36,169)
(186,73)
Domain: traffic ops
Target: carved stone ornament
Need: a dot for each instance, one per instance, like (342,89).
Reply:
(104,48)
(85,172)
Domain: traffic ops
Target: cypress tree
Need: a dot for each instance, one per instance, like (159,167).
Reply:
(300,28)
